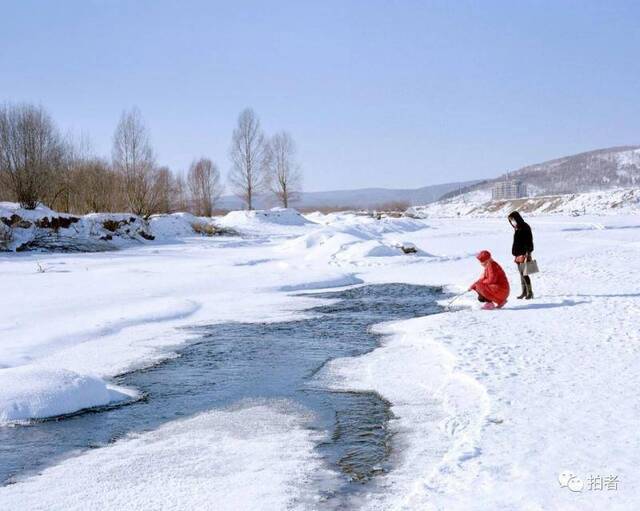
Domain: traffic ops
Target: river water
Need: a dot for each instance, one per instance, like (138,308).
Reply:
(235,361)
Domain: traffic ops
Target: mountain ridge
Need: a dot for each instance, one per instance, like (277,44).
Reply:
(358,198)
(597,169)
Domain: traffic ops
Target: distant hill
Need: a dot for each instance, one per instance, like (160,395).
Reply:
(360,198)
(479,204)
(601,169)
(590,171)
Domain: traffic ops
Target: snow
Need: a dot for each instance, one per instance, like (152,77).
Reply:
(260,222)
(170,227)
(525,392)
(479,204)
(350,237)
(38,392)
(278,216)
(490,407)
(256,456)
(44,229)
(628,158)
(9,208)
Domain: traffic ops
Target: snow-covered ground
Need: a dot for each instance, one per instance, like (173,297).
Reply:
(522,394)
(478,203)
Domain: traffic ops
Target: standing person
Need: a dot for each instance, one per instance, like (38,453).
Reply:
(493,286)
(521,250)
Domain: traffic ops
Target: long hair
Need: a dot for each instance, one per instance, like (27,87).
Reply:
(514,215)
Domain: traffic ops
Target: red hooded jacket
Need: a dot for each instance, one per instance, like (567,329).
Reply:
(493,284)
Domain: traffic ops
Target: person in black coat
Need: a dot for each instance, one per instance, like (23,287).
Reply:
(521,250)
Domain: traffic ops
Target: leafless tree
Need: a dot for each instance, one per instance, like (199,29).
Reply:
(64,186)
(6,192)
(97,187)
(179,199)
(31,152)
(285,177)
(163,186)
(205,186)
(133,158)
(249,157)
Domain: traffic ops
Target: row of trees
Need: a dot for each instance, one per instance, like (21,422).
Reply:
(39,165)
(260,164)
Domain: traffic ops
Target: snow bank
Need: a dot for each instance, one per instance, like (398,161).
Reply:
(34,392)
(490,407)
(176,225)
(171,227)
(47,230)
(350,238)
(255,218)
(371,248)
(368,225)
(255,456)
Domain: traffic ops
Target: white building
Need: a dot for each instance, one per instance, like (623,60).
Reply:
(508,190)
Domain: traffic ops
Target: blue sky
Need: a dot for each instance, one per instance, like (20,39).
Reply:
(394,93)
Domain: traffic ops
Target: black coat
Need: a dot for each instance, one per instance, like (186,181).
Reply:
(522,240)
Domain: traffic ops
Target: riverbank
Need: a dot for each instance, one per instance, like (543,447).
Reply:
(524,393)
(530,392)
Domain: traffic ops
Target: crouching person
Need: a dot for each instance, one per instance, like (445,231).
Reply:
(493,286)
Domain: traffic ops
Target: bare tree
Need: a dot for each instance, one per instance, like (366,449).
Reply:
(162,185)
(65,186)
(249,157)
(285,177)
(179,200)
(97,187)
(133,159)
(204,186)
(31,152)
(6,191)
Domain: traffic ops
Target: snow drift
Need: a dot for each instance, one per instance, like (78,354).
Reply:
(35,392)
(348,237)
(262,222)
(46,230)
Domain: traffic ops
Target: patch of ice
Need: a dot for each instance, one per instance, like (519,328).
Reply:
(341,281)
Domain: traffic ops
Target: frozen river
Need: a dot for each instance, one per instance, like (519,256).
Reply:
(232,362)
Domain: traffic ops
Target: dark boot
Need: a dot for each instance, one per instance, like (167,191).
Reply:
(529,289)
(525,291)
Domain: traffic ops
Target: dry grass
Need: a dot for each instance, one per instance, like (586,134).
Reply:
(208,229)
(204,229)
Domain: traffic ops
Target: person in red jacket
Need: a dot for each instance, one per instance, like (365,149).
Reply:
(493,286)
